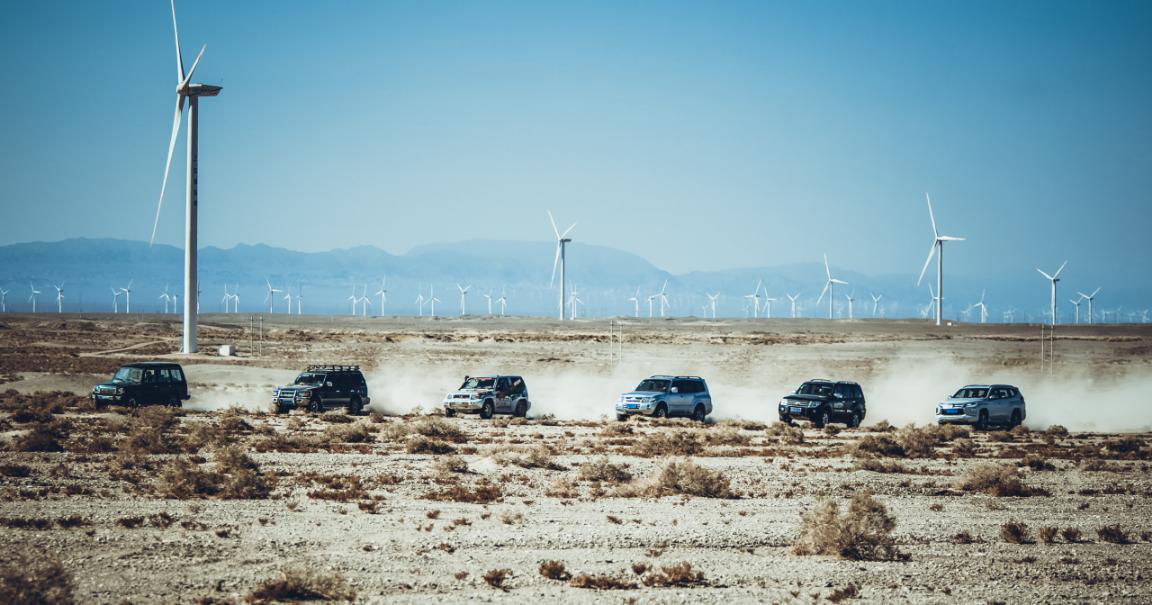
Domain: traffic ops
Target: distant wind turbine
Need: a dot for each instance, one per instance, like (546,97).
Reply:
(876,304)
(463,298)
(768,305)
(937,249)
(1076,303)
(432,300)
(663,296)
(712,302)
(32,298)
(353,299)
(829,287)
(983,307)
(60,298)
(560,260)
(3,300)
(420,304)
(272,292)
(851,300)
(1090,297)
(128,296)
(792,301)
(1055,277)
(364,301)
(166,297)
(383,293)
(488,299)
(635,300)
(503,302)
(754,298)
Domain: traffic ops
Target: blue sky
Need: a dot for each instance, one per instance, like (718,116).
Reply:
(699,135)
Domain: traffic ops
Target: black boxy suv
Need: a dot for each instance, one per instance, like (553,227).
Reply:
(822,401)
(144,383)
(322,388)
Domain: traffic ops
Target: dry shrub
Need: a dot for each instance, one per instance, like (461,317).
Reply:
(15,470)
(44,437)
(1048,534)
(850,591)
(603,582)
(640,568)
(360,432)
(1037,463)
(832,430)
(879,466)
(419,444)
(235,477)
(964,448)
(537,456)
(1057,430)
(555,570)
(601,469)
(685,478)
(727,436)
(670,443)
(432,427)
(1113,534)
(496,577)
(680,574)
(450,464)
(878,445)
(785,433)
(1071,535)
(1001,436)
(1014,532)
(303,583)
(997,480)
(25,580)
(963,538)
(618,429)
(862,532)
(565,489)
(481,492)
(1124,445)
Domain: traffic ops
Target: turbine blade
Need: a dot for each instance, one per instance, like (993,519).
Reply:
(1059,270)
(932,216)
(555,263)
(823,292)
(950,238)
(826,269)
(179,57)
(168,163)
(188,78)
(839,281)
(1045,274)
(931,253)
(554,228)
(1094,293)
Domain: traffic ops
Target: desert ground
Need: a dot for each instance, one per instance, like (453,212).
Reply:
(222,501)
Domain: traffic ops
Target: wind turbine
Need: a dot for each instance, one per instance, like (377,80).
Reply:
(1076,303)
(128,296)
(984,308)
(635,300)
(651,313)
(712,302)
(562,240)
(272,292)
(186,91)
(503,302)
(3,300)
(573,302)
(175,301)
(1091,297)
(851,300)
(59,298)
(236,300)
(768,305)
(792,301)
(433,300)
(288,297)
(383,293)
(420,304)
(876,305)
(167,298)
(32,298)
(932,302)
(364,301)
(754,298)
(227,297)
(463,298)
(937,249)
(1055,277)
(829,287)
(353,300)
(488,299)
(663,296)
(299,299)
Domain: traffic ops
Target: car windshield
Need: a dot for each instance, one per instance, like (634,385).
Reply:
(654,385)
(815,388)
(310,378)
(971,393)
(128,375)
(478,383)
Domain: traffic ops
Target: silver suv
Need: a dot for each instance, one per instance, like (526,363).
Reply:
(488,395)
(983,405)
(664,396)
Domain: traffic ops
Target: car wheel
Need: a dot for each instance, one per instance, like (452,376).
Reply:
(822,420)
(355,407)
(449,412)
(660,411)
(622,417)
(315,405)
(698,414)
(982,421)
(1015,418)
(521,410)
(283,409)
(173,401)
(486,411)
(854,421)
(132,403)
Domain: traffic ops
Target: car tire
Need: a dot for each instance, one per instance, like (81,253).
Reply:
(283,409)
(355,406)
(173,401)
(1015,422)
(449,412)
(854,421)
(698,413)
(661,411)
(487,410)
(622,417)
(521,409)
(132,403)
(315,405)
(982,421)
(822,421)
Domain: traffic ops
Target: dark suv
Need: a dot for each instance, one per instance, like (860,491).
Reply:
(822,401)
(137,384)
(322,388)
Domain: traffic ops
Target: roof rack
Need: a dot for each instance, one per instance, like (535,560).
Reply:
(332,368)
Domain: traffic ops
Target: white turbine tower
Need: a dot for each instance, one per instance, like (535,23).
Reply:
(227,298)
(937,249)
(712,302)
(573,302)
(488,299)
(651,312)
(271,298)
(851,300)
(503,302)
(562,240)
(33,296)
(792,301)
(635,300)
(383,293)
(931,308)
(829,287)
(186,91)
(432,300)
(59,298)
(983,307)
(1055,277)
(663,296)
(754,298)
(3,300)
(166,297)
(1090,297)
(288,297)
(463,298)
(236,299)
(876,305)
(420,304)
(768,305)
(299,299)
(353,300)
(364,301)
(1076,303)
(128,296)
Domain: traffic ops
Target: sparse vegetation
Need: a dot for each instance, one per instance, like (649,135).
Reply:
(1113,534)
(997,480)
(555,570)
(685,478)
(481,492)
(601,469)
(668,443)
(25,580)
(1048,534)
(863,531)
(784,433)
(302,583)
(496,577)
(532,457)
(603,582)
(1015,532)
(679,574)
(1071,535)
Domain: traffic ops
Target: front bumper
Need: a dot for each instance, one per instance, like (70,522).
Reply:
(463,405)
(957,415)
(106,397)
(635,408)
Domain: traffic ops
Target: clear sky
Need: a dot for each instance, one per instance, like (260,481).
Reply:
(701,135)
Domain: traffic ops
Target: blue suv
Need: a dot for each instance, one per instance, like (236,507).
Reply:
(664,396)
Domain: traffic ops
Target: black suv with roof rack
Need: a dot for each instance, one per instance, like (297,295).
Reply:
(821,401)
(142,383)
(324,387)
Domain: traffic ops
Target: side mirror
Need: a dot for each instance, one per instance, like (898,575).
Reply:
(328,384)
(675,390)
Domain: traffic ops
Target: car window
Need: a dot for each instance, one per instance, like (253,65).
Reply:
(177,375)
(128,375)
(815,388)
(859,391)
(654,385)
(971,393)
(841,391)
(165,375)
(683,386)
(478,383)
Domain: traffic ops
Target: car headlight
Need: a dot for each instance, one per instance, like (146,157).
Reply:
(971,405)
(839,405)
(119,390)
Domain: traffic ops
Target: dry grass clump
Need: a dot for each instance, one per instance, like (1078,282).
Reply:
(910,441)
(603,470)
(1001,436)
(447,465)
(879,466)
(785,433)
(1014,532)
(555,570)
(668,443)
(44,437)
(862,532)
(680,574)
(850,591)
(537,456)
(419,444)
(1071,535)
(1037,463)
(1113,534)
(1048,534)
(1057,430)
(481,492)
(235,477)
(682,478)
(432,427)
(603,582)
(35,581)
(727,436)
(360,432)
(15,470)
(496,578)
(997,480)
(964,448)
(302,583)
(878,445)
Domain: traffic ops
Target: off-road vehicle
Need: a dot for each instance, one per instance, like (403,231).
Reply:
(664,396)
(488,395)
(324,387)
(983,405)
(144,383)
(822,401)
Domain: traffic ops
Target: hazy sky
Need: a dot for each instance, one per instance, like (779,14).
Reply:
(700,135)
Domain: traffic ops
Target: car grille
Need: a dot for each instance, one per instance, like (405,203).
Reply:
(633,399)
(286,393)
(464,397)
(106,390)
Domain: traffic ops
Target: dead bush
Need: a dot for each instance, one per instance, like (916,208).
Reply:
(603,582)
(1113,534)
(235,477)
(668,443)
(879,445)
(450,464)
(537,456)
(1037,463)
(1001,436)
(303,583)
(555,570)
(689,479)
(1057,430)
(781,432)
(879,466)
(680,574)
(727,436)
(850,591)
(603,470)
(1124,445)
(963,538)
(1014,532)
(862,532)
(432,427)
(496,578)
(997,480)
(1048,534)
(44,437)
(1071,535)
(880,427)
(481,492)
(419,444)
(15,470)
(359,432)
(25,580)
(832,430)
(964,448)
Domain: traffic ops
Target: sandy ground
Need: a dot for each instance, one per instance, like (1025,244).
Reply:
(1096,385)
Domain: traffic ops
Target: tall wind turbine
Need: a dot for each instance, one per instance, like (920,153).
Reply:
(299,299)
(288,297)
(503,302)
(383,293)
(432,300)
(420,304)
(573,302)
(1076,303)
(186,91)
(635,300)
(851,299)
(754,297)
(353,299)
(128,296)
(488,299)
(463,298)
(712,302)
(59,298)
(364,301)
(272,292)
(792,301)
(663,296)
(3,300)
(166,297)
(876,305)
(1090,297)
(562,240)
(227,298)
(937,249)
(1055,277)
(32,298)
(236,299)
(984,308)
(829,287)
(768,305)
